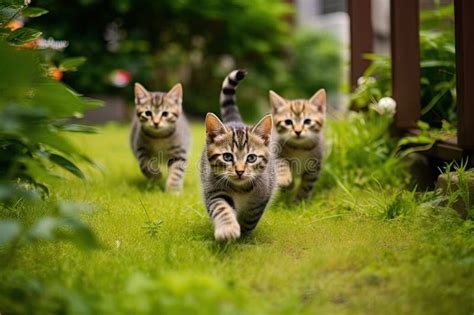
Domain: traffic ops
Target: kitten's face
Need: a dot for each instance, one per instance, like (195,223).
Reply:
(157,111)
(238,155)
(299,121)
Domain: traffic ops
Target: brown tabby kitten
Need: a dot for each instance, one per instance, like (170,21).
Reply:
(160,134)
(237,167)
(300,141)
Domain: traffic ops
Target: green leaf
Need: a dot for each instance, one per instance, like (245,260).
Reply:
(71,64)
(34,12)
(9,230)
(415,140)
(78,232)
(10,193)
(73,209)
(422,125)
(53,95)
(63,228)
(44,229)
(436,63)
(66,164)
(23,35)
(78,128)
(92,103)
(8,12)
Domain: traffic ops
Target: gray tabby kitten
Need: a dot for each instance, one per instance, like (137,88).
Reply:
(300,141)
(237,167)
(160,134)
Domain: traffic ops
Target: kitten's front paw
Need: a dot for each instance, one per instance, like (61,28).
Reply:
(227,232)
(174,189)
(284,181)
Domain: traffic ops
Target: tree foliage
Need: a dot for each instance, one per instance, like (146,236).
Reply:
(196,43)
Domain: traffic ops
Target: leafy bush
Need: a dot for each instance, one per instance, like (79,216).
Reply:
(198,43)
(438,75)
(362,153)
(34,109)
(316,62)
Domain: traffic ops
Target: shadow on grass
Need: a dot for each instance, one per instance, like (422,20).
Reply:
(204,233)
(225,250)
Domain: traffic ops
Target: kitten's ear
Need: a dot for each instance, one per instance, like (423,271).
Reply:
(141,94)
(276,101)
(319,100)
(176,93)
(264,128)
(214,126)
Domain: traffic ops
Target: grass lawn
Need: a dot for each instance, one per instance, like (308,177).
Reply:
(335,254)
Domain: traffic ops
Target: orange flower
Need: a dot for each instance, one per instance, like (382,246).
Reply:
(55,73)
(14,25)
(30,45)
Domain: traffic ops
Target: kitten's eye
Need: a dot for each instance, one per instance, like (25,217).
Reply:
(307,121)
(148,113)
(228,157)
(164,114)
(251,158)
(288,122)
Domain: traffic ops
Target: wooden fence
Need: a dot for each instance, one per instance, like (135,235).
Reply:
(405,50)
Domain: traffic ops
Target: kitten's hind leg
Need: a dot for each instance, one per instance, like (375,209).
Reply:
(176,169)
(308,179)
(284,176)
(226,227)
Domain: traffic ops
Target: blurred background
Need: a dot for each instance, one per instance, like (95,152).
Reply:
(294,47)
(159,43)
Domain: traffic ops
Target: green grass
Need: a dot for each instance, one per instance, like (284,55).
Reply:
(336,254)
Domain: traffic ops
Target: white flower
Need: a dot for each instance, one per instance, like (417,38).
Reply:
(386,105)
(52,44)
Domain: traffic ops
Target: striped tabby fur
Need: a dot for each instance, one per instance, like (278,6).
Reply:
(237,167)
(160,134)
(300,141)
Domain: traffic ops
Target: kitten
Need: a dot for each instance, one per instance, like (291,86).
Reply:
(237,167)
(300,141)
(160,134)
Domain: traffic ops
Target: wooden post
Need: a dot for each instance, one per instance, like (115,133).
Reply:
(464,24)
(405,44)
(361,37)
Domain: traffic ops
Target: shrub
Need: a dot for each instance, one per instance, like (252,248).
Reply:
(34,109)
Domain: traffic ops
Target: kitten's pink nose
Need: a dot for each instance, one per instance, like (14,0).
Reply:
(239,173)
(298,130)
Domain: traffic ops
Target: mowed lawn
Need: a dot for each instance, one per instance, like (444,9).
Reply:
(319,257)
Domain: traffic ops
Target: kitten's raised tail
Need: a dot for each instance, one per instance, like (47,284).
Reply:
(229,109)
